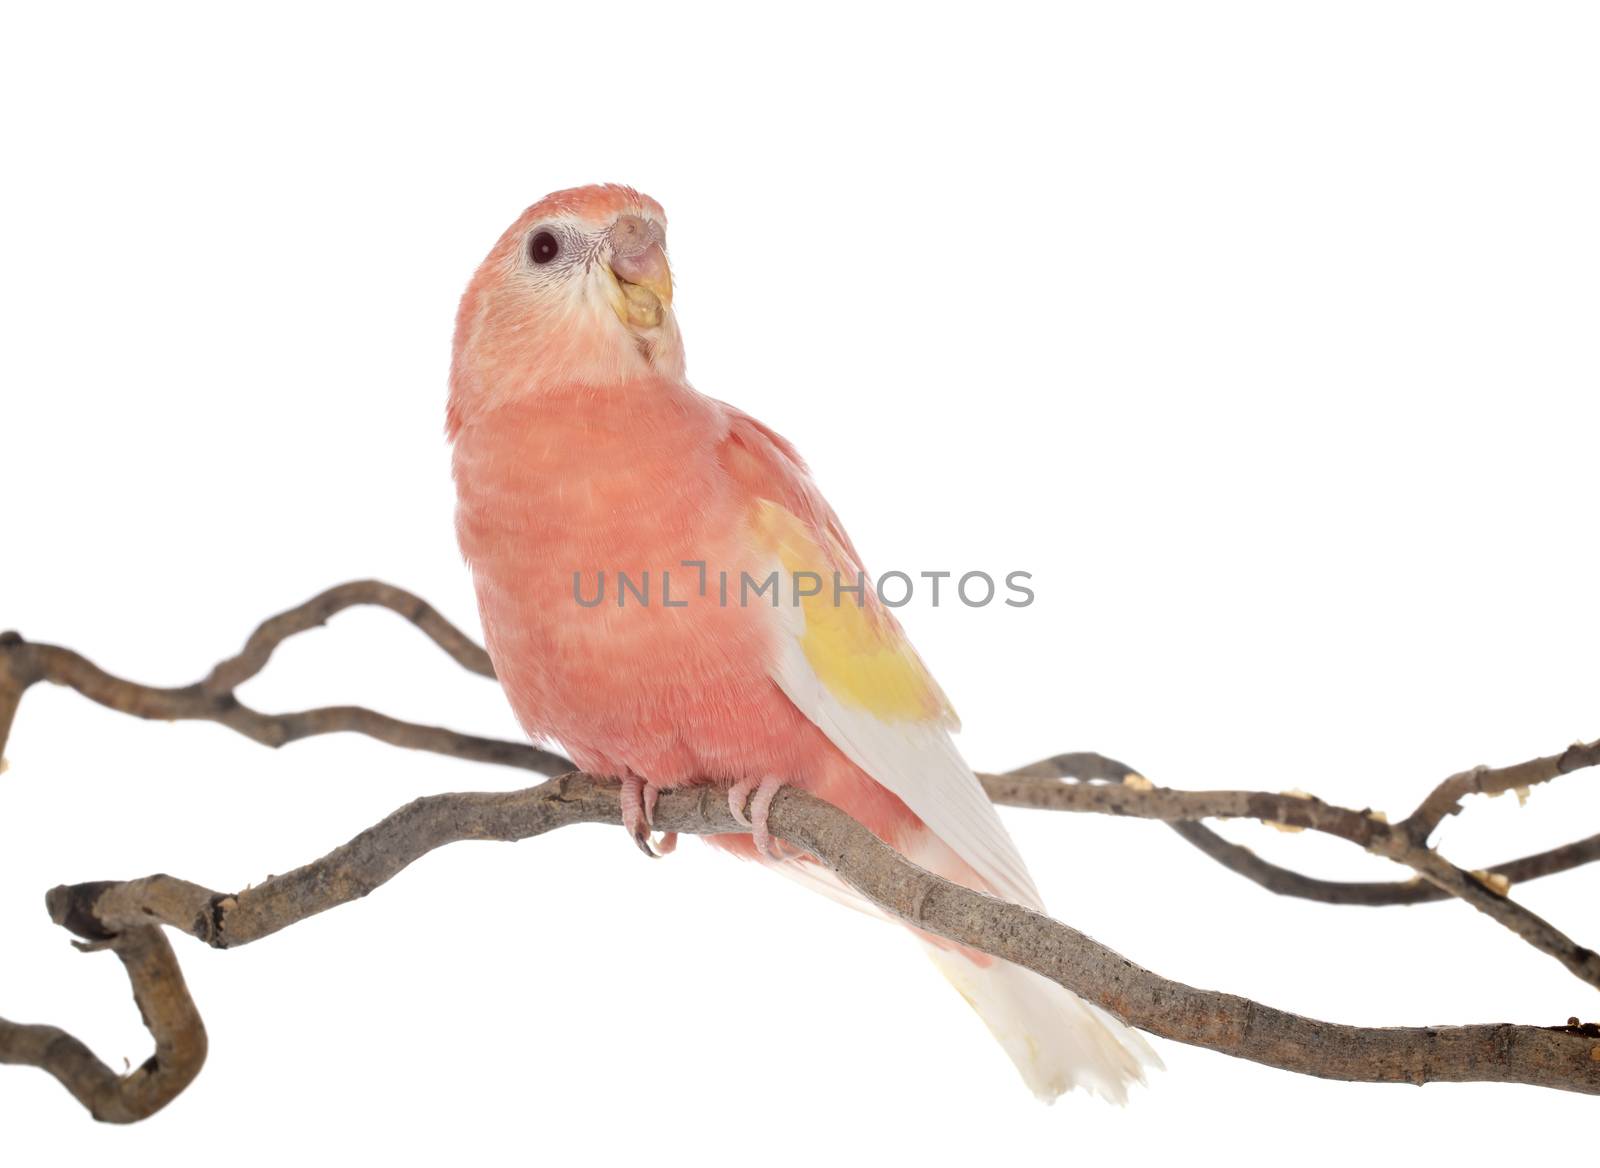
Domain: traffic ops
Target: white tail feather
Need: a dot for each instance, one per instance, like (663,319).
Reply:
(1057,1040)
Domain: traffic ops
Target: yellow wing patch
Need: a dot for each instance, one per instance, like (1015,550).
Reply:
(853,645)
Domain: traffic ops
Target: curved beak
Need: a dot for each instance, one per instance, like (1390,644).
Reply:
(639,264)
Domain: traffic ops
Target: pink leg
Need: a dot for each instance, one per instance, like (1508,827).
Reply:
(760,805)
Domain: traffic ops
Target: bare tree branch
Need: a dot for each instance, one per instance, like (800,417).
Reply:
(1560,1057)
(1088,767)
(122,915)
(1374,893)
(214,700)
(25,663)
(169,1014)
(1445,799)
(1030,788)
(229,675)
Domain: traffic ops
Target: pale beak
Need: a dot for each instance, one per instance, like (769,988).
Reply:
(639,263)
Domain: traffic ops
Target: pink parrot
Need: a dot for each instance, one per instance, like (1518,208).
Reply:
(582,456)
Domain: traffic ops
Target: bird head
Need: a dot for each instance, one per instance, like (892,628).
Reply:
(577,292)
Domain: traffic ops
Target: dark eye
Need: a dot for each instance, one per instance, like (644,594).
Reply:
(543,247)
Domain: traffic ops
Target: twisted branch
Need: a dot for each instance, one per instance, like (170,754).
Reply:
(123,916)
(169,1014)
(1561,1057)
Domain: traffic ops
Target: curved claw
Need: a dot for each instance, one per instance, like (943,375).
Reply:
(765,790)
(738,796)
(760,805)
(668,841)
(638,805)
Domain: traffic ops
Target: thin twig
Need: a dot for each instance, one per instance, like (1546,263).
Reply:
(25,663)
(1445,799)
(229,675)
(1029,788)
(1374,893)
(1088,767)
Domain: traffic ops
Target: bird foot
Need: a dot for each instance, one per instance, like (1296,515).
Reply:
(639,816)
(760,804)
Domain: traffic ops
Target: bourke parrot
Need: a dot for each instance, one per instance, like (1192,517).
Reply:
(581,456)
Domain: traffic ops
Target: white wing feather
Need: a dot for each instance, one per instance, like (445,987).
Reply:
(918,762)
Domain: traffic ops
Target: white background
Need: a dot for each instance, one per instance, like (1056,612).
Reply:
(1263,335)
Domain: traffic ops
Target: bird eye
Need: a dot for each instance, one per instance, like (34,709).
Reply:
(543,247)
